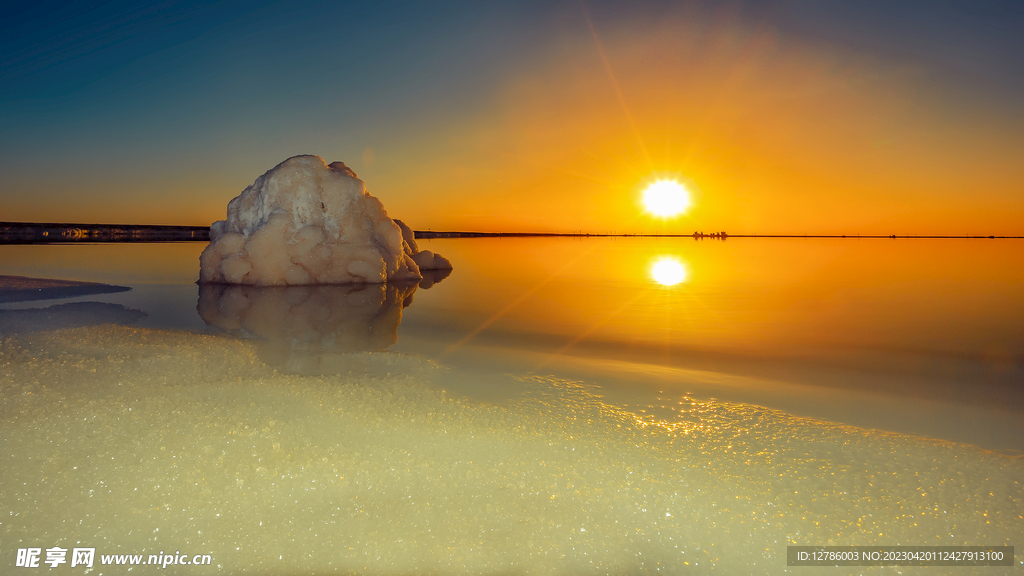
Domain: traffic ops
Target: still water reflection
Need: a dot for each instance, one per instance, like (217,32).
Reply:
(668,271)
(923,337)
(313,329)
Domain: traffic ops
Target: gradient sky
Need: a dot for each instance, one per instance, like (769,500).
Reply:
(782,117)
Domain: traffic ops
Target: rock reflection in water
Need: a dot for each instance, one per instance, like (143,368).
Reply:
(320,329)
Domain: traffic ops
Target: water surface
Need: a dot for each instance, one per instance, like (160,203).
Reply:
(916,336)
(550,407)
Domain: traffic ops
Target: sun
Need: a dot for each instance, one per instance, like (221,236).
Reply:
(666,198)
(668,271)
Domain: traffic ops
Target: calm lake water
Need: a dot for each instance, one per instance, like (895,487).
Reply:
(554,405)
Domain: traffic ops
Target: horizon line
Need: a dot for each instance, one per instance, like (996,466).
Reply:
(40,232)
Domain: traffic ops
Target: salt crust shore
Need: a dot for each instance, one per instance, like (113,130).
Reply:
(141,441)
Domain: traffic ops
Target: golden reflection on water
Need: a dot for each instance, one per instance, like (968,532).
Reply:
(109,263)
(668,271)
(750,295)
(756,297)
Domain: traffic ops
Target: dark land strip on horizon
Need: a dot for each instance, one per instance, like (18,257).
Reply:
(45,233)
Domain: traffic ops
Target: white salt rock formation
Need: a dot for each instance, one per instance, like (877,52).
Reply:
(425,259)
(306,222)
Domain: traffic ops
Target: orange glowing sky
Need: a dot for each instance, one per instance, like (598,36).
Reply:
(773,130)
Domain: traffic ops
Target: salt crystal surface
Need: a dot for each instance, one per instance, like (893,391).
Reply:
(137,441)
(307,222)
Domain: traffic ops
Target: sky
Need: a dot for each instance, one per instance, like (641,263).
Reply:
(870,117)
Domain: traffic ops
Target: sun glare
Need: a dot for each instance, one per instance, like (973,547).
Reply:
(666,198)
(668,271)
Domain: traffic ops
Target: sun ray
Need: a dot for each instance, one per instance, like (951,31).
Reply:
(508,307)
(593,328)
(618,89)
(754,47)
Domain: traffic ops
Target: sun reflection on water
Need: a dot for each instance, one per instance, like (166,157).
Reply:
(669,271)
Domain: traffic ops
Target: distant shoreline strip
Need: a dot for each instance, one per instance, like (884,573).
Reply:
(48,233)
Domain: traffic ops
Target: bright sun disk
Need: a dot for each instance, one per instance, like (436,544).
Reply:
(666,198)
